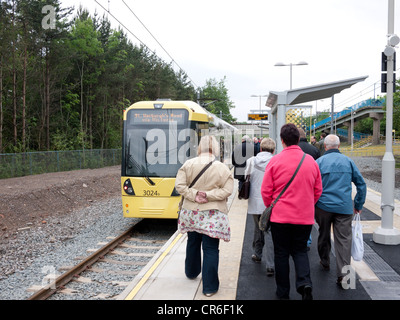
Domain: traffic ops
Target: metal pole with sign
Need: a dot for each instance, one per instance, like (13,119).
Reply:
(386,233)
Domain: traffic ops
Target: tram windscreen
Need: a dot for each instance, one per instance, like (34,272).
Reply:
(158,142)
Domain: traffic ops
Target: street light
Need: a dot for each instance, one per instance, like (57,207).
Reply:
(353,113)
(280,64)
(259,96)
(315,121)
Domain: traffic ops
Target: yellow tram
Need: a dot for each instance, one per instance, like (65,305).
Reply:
(158,137)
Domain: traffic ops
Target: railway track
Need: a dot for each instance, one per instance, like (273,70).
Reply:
(113,265)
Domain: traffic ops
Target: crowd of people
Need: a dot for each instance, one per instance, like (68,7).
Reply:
(312,184)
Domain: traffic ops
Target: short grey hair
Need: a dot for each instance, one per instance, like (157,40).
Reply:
(268,145)
(332,141)
(246,138)
(302,133)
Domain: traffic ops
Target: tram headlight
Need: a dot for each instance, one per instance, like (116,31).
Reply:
(128,187)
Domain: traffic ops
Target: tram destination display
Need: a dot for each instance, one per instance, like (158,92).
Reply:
(257,116)
(146,116)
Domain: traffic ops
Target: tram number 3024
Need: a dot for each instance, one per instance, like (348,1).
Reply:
(150,193)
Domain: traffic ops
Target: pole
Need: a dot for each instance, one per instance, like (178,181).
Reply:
(332,110)
(315,120)
(386,234)
(260,120)
(352,130)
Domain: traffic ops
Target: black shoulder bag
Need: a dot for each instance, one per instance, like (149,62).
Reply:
(265,223)
(244,192)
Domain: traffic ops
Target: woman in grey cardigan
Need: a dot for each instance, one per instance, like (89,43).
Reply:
(255,166)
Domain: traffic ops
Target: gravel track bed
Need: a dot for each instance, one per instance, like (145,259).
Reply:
(49,247)
(371,168)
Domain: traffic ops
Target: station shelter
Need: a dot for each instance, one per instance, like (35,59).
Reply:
(286,106)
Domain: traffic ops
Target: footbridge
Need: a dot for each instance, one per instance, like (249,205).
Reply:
(371,108)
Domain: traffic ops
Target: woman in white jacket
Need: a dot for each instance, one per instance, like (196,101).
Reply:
(255,166)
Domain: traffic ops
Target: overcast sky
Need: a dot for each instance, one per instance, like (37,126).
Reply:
(243,40)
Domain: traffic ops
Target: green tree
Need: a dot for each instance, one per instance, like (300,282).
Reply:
(87,52)
(65,87)
(216,99)
(396,108)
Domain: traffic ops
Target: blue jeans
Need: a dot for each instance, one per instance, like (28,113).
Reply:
(210,263)
(291,240)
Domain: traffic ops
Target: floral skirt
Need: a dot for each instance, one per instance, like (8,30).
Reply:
(212,223)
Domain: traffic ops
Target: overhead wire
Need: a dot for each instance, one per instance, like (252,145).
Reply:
(152,51)
(124,26)
(357,95)
(351,98)
(158,42)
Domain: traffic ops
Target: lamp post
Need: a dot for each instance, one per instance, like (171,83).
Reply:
(259,96)
(315,121)
(352,128)
(316,109)
(280,64)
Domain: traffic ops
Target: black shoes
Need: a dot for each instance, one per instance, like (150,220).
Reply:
(270,272)
(307,293)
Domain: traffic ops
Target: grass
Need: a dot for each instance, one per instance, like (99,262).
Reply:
(370,151)
(397,158)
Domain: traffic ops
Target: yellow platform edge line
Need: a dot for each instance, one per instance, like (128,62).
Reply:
(140,284)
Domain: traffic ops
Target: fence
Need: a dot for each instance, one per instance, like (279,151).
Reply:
(30,163)
(356,135)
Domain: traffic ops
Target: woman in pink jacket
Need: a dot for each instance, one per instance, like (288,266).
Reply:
(293,215)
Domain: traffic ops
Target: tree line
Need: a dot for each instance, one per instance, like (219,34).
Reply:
(65,80)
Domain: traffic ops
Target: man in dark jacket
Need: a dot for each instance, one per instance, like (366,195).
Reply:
(313,152)
(256,146)
(240,154)
(307,147)
(321,145)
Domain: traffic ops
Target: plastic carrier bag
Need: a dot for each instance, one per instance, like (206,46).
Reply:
(357,245)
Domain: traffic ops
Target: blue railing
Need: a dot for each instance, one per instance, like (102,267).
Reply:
(362,104)
(356,135)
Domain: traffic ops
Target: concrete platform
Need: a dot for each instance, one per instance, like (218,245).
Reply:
(164,277)
(378,275)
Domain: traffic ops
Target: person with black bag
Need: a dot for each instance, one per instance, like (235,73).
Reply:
(292,216)
(240,154)
(255,169)
(205,184)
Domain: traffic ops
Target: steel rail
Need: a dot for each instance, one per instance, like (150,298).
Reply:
(66,277)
